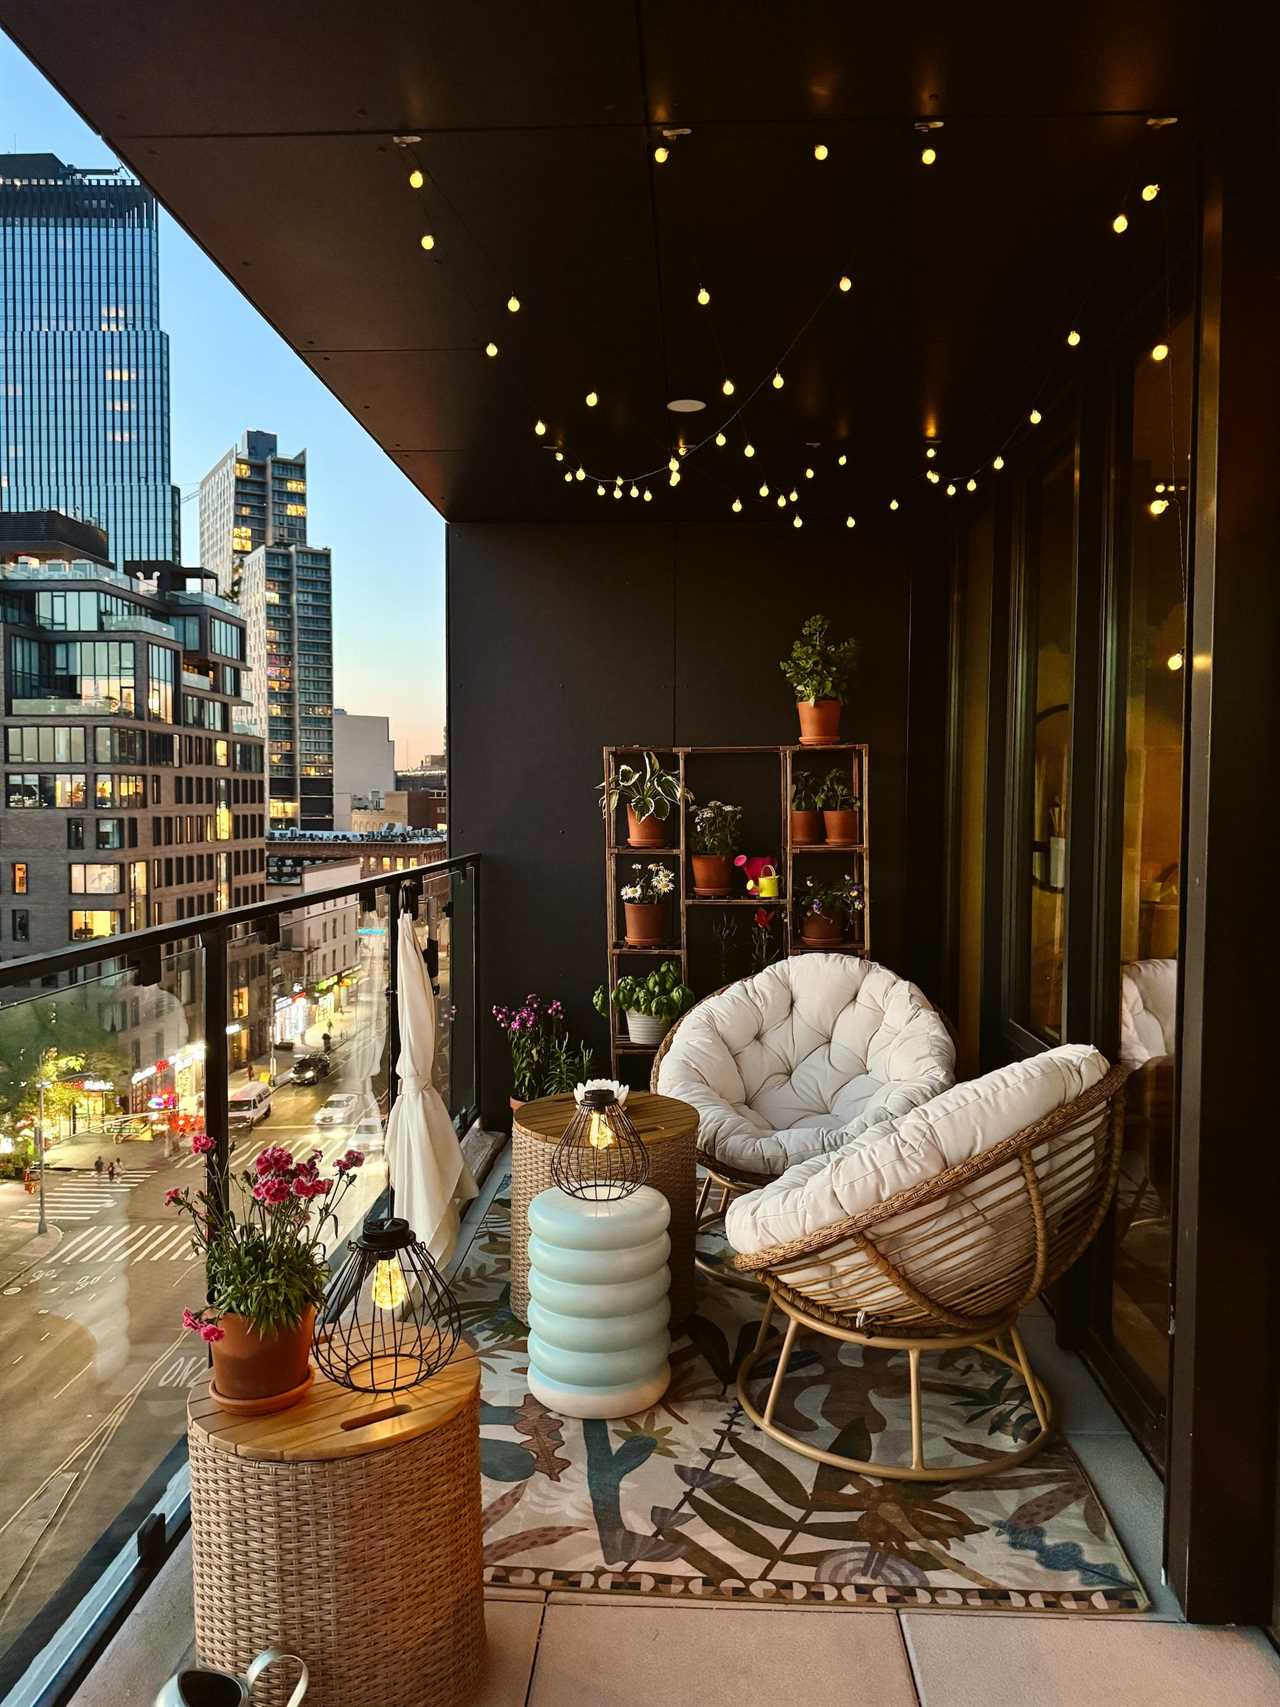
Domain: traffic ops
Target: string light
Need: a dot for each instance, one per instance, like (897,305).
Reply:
(427,240)
(797,521)
(721,441)
(1158,506)
(893,503)
(599,491)
(846,283)
(661,154)
(777,382)
(1120,224)
(764,489)
(820,151)
(748,449)
(736,506)
(704,296)
(675,477)
(416,181)
(1159,353)
(841,459)
(782,500)
(591,399)
(568,478)
(491,349)
(932,476)
(727,388)
(1175,660)
(808,474)
(1073,338)
(971,485)
(648,496)
(998,464)
(794,496)
(928,156)
(931,452)
(1149,194)
(674,466)
(1035,417)
(579,473)
(539,427)
(513,304)
(951,491)
(617,491)
(635,491)
(849,522)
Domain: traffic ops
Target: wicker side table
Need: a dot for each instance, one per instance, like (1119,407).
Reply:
(346,1530)
(669,1129)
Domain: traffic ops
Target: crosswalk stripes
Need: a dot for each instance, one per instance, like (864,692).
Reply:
(82,1197)
(148,1242)
(247,1150)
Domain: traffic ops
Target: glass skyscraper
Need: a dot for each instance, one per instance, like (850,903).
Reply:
(84,365)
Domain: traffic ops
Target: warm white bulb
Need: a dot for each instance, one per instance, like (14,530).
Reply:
(427,240)
(1158,506)
(820,152)
(808,474)
(893,503)
(1160,486)
(661,154)
(782,500)
(1149,194)
(928,156)
(998,464)
(673,465)
(1159,353)
(617,491)
(599,491)
(846,283)
(635,492)
(841,459)
(579,473)
(1035,417)
(704,296)
(1120,224)
(931,476)
(793,495)
(539,427)
(777,382)
(748,449)
(513,305)
(648,496)
(736,506)
(559,456)
(389,1288)
(591,399)
(727,388)
(568,475)
(675,477)
(764,489)
(951,491)
(931,452)
(1175,660)
(1073,338)
(491,349)
(971,485)
(849,522)
(416,179)
(797,521)
(721,441)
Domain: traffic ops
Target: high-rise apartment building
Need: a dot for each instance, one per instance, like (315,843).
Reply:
(253,533)
(84,365)
(253,496)
(128,800)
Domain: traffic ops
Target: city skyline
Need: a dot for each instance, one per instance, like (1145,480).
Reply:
(388,595)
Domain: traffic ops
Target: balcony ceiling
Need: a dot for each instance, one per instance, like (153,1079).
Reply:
(270,137)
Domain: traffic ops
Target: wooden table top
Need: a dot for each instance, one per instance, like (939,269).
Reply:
(657,1119)
(333,1422)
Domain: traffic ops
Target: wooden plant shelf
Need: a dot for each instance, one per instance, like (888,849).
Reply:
(858,854)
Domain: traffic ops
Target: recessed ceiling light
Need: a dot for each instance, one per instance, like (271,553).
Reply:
(685,405)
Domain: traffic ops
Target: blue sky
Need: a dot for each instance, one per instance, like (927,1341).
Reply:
(388,543)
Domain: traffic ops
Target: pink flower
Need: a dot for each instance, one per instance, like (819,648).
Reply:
(203,1145)
(352,1159)
(274,1159)
(211,1332)
(191,1322)
(172,1196)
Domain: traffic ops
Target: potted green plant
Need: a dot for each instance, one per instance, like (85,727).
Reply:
(806,810)
(839,809)
(266,1267)
(544,1062)
(827,911)
(715,831)
(650,794)
(646,904)
(651,1004)
(818,670)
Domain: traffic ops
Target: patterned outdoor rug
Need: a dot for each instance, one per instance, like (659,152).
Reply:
(690,1499)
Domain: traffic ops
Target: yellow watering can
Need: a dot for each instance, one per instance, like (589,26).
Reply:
(767,883)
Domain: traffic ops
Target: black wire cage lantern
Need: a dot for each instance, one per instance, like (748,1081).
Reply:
(601,1156)
(389,1321)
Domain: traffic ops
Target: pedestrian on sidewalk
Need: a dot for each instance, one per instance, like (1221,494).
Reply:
(97,1166)
(326,1039)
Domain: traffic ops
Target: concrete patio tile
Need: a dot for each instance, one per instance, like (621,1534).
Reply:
(511,1631)
(154,1641)
(969,1660)
(1080,1406)
(500,1591)
(1133,1498)
(609,1656)
(659,1603)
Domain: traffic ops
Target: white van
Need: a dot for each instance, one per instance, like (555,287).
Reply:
(248,1104)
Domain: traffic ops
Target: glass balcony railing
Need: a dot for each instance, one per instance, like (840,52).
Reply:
(163,1034)
(138,624)
(77,569)
(214,601)
(54,705)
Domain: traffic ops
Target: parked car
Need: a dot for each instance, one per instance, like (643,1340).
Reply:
(310,1069)
(247,1105)
(339,1110)
(367,1137)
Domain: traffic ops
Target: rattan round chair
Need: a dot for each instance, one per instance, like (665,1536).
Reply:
(947,1264)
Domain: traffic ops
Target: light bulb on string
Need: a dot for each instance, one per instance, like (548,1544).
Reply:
(513,304)
(1160,486)
(559,456)
(727,388)
(704,296)
(1159,352)
(808,474)
(998,464)
(951,491)
(764,489)
(427,240)
(579,473)
(591,399)
(1073,338)
(820,151)
(491,349)
(1120,224)
(841,460)
(635,492)
(793,495)
(932,476)
(748,449)
(971,485)
(893,503)
(928,156)
(1175,660)
(782,500)
(648,496)
(777,382)
(721,441)
(736,506)
(568,477)
(416,179)
(661,154)
(1158,506)
(1150,192)
(931,451)
(674,466)
(675,477)
(1035,417)
(846,283)
(797,521)
(850,522)
(539,427)
(599,491)
(617,491)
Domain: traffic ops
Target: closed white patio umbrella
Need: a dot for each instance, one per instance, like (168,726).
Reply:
(428,1174)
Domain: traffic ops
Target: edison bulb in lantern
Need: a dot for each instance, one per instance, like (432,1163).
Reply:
(416,179)
(704,296)
(388,1289)
(600,1133)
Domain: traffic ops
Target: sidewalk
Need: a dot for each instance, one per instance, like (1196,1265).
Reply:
(81,1151)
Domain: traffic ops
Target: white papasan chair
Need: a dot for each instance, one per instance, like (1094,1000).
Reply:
(797,1060)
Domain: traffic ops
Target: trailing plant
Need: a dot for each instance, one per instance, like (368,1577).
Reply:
(660,994)
(652,882)
(838,900)
(835,793)
(805,792)
(543,1061)
(265,1262)
(649,791)
(716,828)
(818,668)
(765,944)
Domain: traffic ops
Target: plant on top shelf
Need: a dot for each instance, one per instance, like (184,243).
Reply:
(839,808)
(806,808)
(818,670)
(715,832)
(827,910)
(651,1003)
(649,794)
(544,1063)
(646,904)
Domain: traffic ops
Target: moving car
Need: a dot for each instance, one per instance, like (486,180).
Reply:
(367,1137)
(310,1069)
(339,1110)
(247,1105)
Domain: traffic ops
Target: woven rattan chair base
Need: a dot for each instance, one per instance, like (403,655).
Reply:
(917,1470)
(731,1184)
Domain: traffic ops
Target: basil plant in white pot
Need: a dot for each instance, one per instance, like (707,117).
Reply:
(651,1004)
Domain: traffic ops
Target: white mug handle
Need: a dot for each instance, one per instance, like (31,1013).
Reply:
(269,1657)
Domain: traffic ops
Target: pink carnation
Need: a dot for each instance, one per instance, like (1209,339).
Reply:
(172,1196)
(211,1332)
(203,1145)
(191,1322)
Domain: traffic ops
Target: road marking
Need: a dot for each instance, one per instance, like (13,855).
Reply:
(73,1380)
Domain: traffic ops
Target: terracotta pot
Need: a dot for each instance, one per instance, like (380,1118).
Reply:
(262,1374)
(806,826)
(517,1103)
(646,832)
(841,828)
(819,722)
(817,928)
(647,923)
(712,874)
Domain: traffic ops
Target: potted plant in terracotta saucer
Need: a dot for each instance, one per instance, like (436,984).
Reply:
(827,911)
(806,812)
(646,904)
(266,1266)
(839,809)
(715,831)
(650,795)
(818,670)
(651,1004)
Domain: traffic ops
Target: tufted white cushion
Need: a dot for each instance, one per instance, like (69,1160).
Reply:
(1148,1010)
(900,1152)
(795,1061)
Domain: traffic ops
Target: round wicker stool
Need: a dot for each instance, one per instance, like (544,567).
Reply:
(669,1130)
(346,1530)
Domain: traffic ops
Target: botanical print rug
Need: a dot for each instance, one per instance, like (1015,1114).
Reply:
(691,1500)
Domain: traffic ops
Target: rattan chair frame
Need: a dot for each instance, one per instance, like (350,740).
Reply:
(1044,1192)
